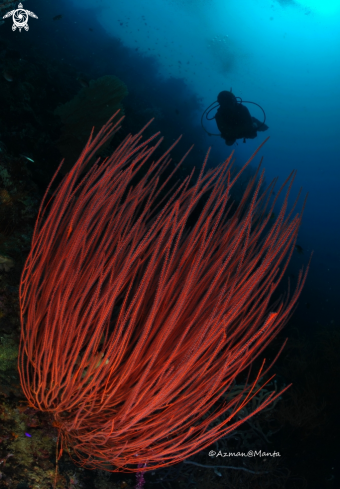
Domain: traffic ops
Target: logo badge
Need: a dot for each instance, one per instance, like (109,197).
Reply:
(20,18)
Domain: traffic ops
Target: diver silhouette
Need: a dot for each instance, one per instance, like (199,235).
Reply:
(233,119)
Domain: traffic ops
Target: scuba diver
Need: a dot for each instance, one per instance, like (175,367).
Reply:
(233,119)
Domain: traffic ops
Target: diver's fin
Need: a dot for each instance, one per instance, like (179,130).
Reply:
(262,127)
(258,125)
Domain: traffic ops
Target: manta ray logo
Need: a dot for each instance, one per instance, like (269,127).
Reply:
(20,18)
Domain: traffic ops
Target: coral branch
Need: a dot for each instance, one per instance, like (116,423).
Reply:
(135,324)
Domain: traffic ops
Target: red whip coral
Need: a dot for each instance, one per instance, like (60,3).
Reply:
(133,323)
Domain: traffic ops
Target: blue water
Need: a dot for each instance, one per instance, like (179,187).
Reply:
(177,55)
(283,56)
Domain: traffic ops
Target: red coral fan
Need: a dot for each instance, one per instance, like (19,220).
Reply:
(133,323)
